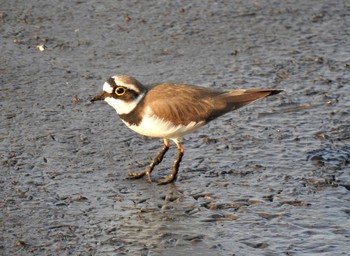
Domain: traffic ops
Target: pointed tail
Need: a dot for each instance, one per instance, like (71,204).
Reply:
(239,98)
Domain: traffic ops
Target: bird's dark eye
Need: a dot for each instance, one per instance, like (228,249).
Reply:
(120,90)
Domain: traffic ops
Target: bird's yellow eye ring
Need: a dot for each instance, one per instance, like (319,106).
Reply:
(119,90)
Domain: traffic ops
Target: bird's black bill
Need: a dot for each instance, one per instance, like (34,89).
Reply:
(101,96)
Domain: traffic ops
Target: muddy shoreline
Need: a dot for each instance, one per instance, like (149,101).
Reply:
(270,179)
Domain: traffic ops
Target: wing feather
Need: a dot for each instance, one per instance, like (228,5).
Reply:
(183,104)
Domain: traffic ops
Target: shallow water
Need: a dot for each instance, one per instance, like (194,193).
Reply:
(270,179)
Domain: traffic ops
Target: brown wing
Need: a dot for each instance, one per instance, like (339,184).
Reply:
(236,99)
(183,104)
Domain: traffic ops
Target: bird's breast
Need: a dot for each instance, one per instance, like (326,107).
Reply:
(154,126)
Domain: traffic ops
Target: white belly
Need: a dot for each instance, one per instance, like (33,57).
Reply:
(156,127)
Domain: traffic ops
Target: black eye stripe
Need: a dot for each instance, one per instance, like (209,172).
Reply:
(127,95)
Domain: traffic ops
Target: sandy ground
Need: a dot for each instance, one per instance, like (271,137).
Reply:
(270,179)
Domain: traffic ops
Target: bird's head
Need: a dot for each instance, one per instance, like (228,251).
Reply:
(121,92)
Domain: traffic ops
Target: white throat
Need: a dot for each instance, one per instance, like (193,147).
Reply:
(123,107)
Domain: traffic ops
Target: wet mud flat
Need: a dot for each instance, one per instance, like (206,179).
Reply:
(270,179)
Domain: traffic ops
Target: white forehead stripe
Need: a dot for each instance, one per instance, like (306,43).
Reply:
(107,87)
(131,87)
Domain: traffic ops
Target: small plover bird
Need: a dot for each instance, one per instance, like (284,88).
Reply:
(170,111)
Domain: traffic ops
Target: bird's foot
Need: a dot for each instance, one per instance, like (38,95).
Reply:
(138,175)
(168,179)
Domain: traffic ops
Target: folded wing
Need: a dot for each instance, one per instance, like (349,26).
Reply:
(187,103)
